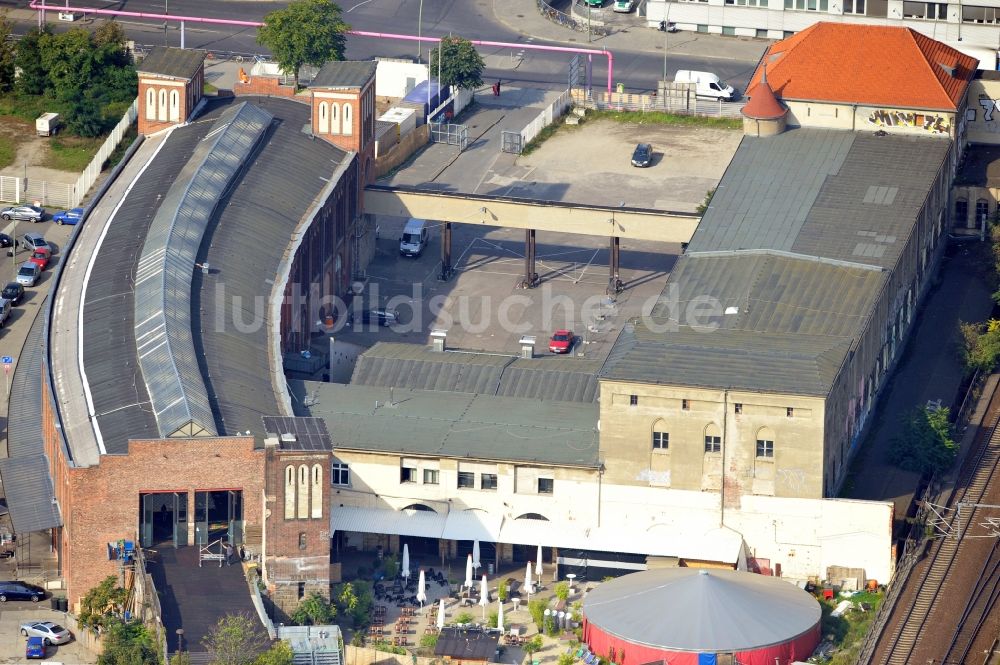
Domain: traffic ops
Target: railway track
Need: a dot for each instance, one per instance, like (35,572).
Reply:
(976,475)
(979,607)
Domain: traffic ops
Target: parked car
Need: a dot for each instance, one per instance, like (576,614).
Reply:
(5,307)
(16,590)
(34,242)
(642,156)
(23,213)
(6,240)
(40,258)
(27,275)
(381,316)
(51,633)
(562,341)
(594,3)
(35,648)
(71,216)
(624,6)
(13,292)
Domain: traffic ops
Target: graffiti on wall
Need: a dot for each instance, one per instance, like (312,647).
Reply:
(931,123)
(989,105)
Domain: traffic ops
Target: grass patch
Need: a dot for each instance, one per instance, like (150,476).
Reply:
(209,89)
(28,107)
(847,632)
(661,118)
(547,132)
(116,155)
(71,153)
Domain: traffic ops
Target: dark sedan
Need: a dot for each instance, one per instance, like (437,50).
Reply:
(6,240)
(643,155)
(13,292)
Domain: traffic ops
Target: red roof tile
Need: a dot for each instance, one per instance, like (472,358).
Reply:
(867,64)
(762,104)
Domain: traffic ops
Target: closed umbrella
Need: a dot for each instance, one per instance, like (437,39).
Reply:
(421,593)
(527,580)
(476,563)
(440,623)
(538,563)
(468,571)
(484,596)
(500,615)
(406,561)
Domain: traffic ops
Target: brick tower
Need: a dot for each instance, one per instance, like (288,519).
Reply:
(343,109)
(171,83)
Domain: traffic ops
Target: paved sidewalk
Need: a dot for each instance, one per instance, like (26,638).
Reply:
(931,370)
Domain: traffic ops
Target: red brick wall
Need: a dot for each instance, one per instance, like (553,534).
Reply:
(189,96)
(264,85)
(103,502)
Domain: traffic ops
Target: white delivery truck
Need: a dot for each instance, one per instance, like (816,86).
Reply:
(706,84)
(414,237)
(47,124)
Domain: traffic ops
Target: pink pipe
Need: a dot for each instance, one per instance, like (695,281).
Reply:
(42,7)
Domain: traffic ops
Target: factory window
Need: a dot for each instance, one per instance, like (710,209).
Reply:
(765,444)
(302,590)
(302,540)
(334,118)
(790,412)
(982,212)
(347,127)
(661,440)
(289,492)
(738,408)
(545,485)
(488,481)
(854,6)
(340,474)
(324,118)
(713,439)
(175,105)
(303,512)
(633,400)
(961,212)
(150,103)
(407,474)
(937,11)
(466,480)
(317,491)
(161,106)
(685,405)
(975,14)
(431,477)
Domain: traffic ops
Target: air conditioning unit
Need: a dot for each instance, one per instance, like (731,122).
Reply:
(69,17)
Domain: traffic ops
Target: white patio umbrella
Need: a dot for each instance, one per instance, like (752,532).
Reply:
(406,561)
(484,596)
(468,571)
(476,563)
(500,615)
(538,563)
(527,580)
(440,622)
(421,593)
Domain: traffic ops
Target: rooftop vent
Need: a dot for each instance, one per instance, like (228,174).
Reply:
(732,310)
(288,437)
(438,338)
(527,346)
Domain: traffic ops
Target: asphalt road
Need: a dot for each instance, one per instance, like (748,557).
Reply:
(639,68)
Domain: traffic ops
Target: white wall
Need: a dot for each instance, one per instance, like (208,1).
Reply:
(395,78)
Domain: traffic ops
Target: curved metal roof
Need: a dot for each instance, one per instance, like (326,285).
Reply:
(163,335)
(692,609)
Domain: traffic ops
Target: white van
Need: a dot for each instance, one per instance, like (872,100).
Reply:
(414,237)
(707,84)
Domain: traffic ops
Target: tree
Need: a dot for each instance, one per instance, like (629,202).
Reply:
(925,442)
(315,610)
(532,646)
(562,591)
(127,644)
(981,345)
(306,32)
(461,66)
(503,590)
(83,116)
(100,606)
(536,608)
(33,79)
(8,53)
(280,653)
(236,639)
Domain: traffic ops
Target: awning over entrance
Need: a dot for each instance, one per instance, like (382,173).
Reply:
(415,523)
(472,525)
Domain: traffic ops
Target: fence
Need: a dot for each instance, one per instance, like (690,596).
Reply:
(549,114)
(682,105)
(93,170)
(10,188)
(365,656)
(596,28)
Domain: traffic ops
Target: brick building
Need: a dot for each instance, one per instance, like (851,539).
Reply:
(171,83)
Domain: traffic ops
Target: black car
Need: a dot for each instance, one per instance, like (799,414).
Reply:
(20,591)
(6,240)
(383,317)
(643,155)
(13,292)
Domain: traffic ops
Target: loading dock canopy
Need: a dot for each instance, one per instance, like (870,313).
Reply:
(680,540)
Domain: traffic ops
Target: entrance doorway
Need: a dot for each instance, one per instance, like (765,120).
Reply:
(218,514)
(163,519)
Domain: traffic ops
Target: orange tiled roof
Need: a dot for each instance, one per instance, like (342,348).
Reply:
(867,64)
(763,105)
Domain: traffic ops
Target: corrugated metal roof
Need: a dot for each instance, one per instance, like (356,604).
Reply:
(309,433)
(24,473)
(163,335)
(456,425)
(702,610)
(556,378)
(173,62)
(344,74)
(248,239)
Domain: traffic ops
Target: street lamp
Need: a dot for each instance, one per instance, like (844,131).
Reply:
(420,21)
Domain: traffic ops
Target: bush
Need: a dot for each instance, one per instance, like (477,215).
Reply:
(127,643)
(537,609)
(562,591)
(925,442)
(464,617)
(566,659)
(315,610)
(503,591)
(429,641)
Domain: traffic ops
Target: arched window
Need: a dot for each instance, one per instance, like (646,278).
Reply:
(324,118)
(713,439)
(661,437)
(982,212)
(161,106)
(334,118)
(289,492)
(150,103)
(303,492)
(175,105)
(961,212)
(346,124)
(532,516)
(421,507)
(317,491)
(765,444)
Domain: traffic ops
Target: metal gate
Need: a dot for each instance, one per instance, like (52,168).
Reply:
(446,132)
(511,142)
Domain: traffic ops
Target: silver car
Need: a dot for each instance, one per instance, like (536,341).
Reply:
(27,274)
(23,213)
(51,633)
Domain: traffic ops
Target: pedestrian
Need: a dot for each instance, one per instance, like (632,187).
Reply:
(228,550)
(498,87)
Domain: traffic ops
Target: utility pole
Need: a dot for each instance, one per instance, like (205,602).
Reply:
(420,21)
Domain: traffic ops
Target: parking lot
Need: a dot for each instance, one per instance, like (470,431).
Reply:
(12,643)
